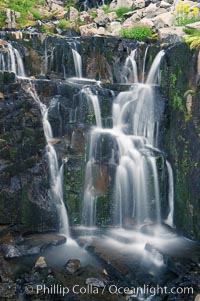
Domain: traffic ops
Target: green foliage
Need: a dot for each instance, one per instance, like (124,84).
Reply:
(182,22)
(93,14)
(2,19)
(63,24)
(46,30)
(70,3)
(188,92)
(178,103)
(137,33)
(120,11)
(184,14)
(193,41)
(123,10)
(192,32)
(22,20)
(195,44)
(107,9)
(35,14)
(24,5)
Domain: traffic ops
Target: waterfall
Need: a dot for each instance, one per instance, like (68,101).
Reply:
(10,60)
(86,5)
(135,131)
(45,57)
(77,63)
(130,72)
(169,219)
(144,63)
(95,102)
(56,172)
(154,73)
(89,198)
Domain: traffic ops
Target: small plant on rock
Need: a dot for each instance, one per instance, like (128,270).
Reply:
(119,12)
(63,24)
(140,32)
(184,14)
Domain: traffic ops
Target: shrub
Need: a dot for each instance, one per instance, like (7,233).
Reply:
(63,24)
(123,10)
(194,39)
(192,32)
(2,19)
(120,11)
(35,14)
(137,33)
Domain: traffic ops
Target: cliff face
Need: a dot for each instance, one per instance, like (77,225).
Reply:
(180,83)
(24,188)
(25,196)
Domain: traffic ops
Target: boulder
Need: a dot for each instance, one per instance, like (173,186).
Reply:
(95,282)
(195,25)
(165,4)
(114,28)
(91,29)
(171,34)
(100,12)
(147,22)
(85,17)
(56,7)
(40,263)
(103,20)
(163,20)
(10,252)
(121,3)
(150,11)
(139,4)
(72,14)
(11,17)
(136,17)
(112,16)
(1,96)
(72,266)
(129,14)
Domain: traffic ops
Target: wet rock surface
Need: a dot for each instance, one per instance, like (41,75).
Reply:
(24,182)
(25,196)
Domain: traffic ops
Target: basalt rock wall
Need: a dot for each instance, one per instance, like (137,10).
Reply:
(180,84)
(25,195)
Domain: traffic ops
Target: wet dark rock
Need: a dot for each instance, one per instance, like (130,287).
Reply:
(72,266)
(30,245)
(7,77)
(8,291)
(21,194)
(11,251)
(95,282)
(70,33)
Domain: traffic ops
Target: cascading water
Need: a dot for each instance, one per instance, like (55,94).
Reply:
(89,207)
(10,60)
(56,172)
(77,63)
(135,130)
(129,73)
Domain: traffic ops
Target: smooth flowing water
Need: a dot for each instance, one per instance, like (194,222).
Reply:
(56,171)
(136,193)
(11,60)
(77,63)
